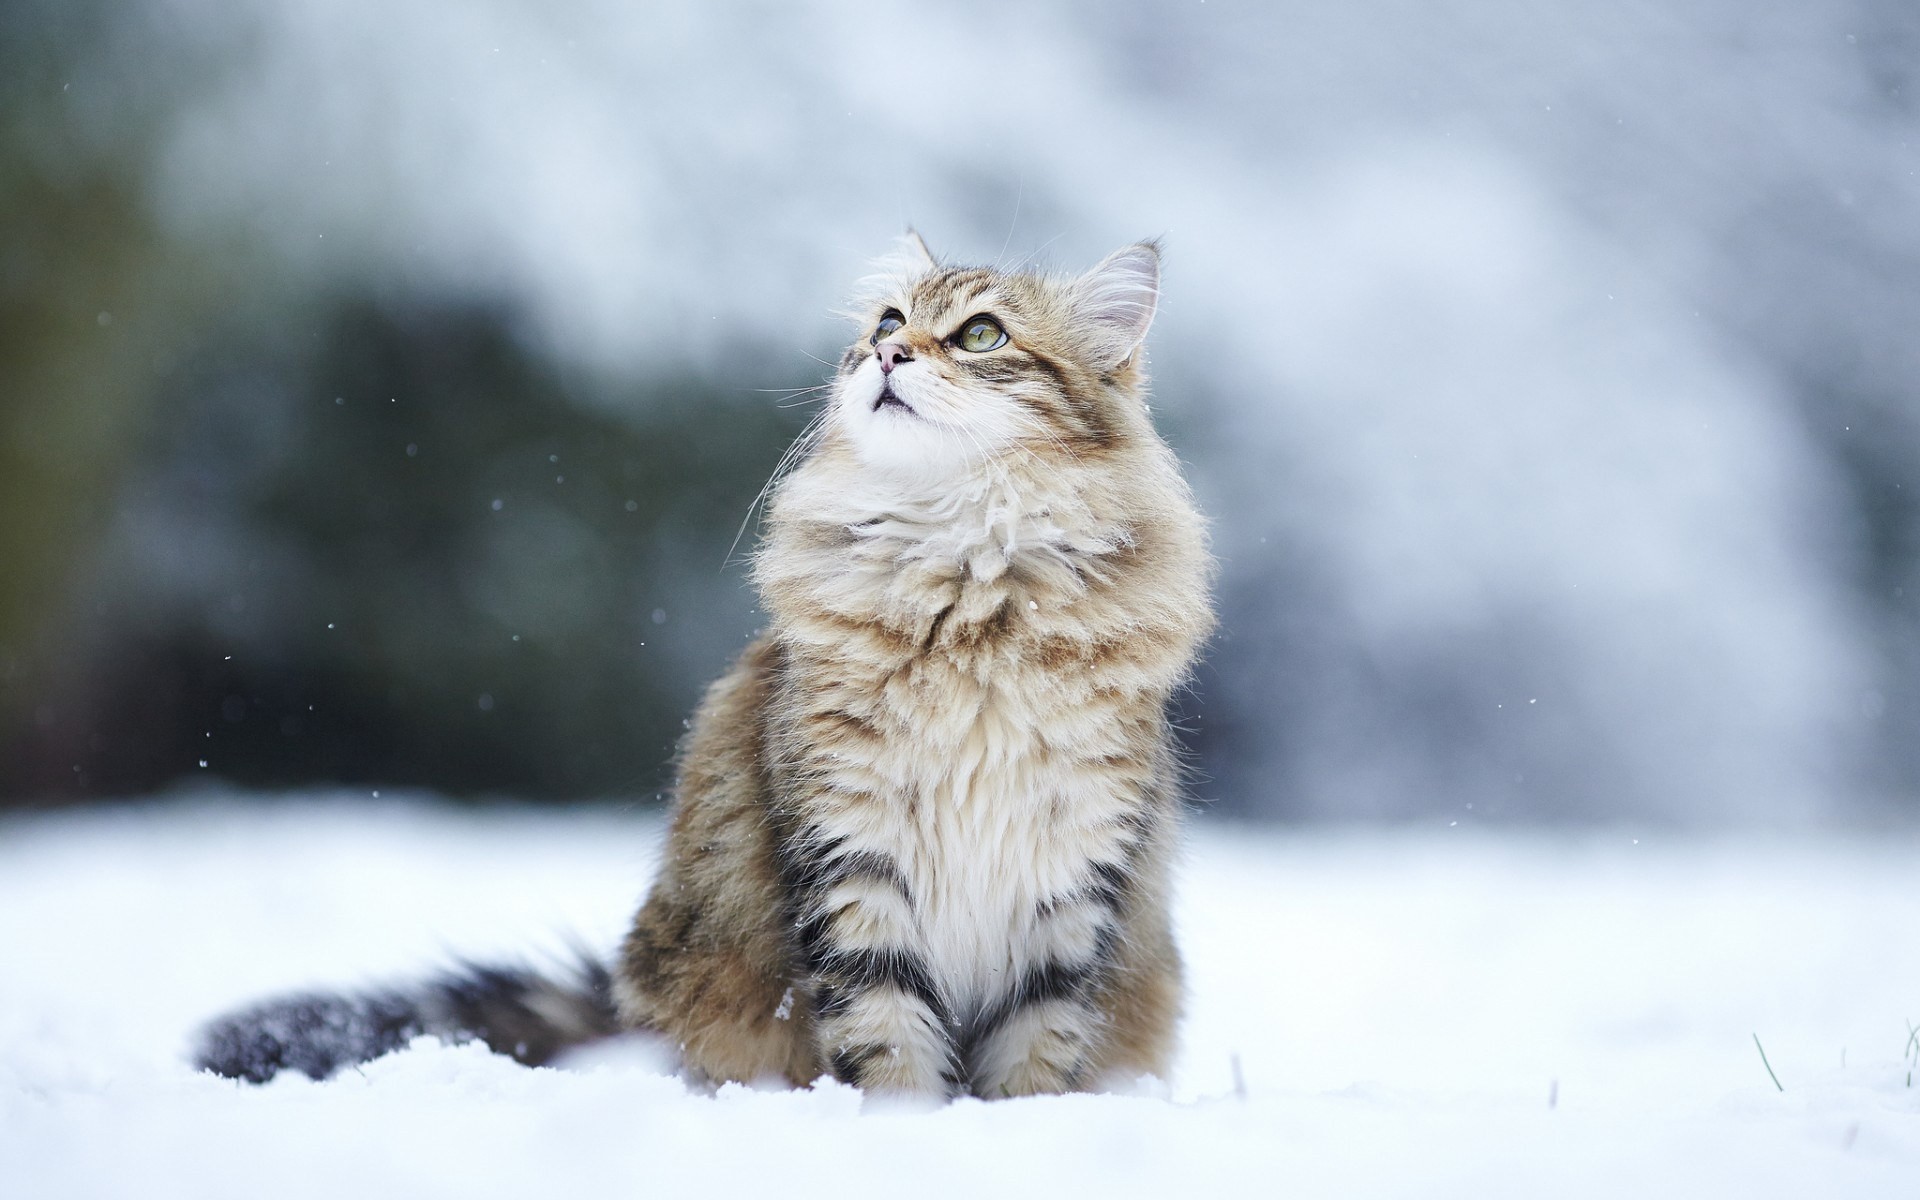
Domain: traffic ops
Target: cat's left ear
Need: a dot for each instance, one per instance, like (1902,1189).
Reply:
(1116,300)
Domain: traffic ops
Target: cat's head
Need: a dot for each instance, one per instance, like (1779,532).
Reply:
(954,367)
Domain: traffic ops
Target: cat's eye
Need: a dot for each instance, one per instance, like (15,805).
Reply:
(890,321)
(980,334)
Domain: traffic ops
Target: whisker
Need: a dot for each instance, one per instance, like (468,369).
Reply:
(1034,254)
(802,446)
(1019,191)
(1033,423)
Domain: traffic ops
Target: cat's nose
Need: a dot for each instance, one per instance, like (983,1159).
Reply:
(892,354)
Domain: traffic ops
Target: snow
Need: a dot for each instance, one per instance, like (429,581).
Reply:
(1425,1012)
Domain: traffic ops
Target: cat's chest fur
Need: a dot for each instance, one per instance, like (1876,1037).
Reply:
(960,733)
(992,816)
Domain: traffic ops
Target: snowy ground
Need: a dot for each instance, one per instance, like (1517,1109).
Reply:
(1433,1013)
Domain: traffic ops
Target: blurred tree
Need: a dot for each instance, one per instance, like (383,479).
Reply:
(278,535)
(93,302)
(396,548)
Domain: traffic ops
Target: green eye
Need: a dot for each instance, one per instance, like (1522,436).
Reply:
(980,335)
(889,321)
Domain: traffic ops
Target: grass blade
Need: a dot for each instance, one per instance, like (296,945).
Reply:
(1765,1063)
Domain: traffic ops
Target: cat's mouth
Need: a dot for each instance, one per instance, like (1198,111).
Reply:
(887,399)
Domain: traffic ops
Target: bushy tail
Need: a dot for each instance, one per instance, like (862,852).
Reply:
(513,1010)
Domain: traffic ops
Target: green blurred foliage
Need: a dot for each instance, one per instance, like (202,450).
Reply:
(403,551)
(92,299)
(367,536)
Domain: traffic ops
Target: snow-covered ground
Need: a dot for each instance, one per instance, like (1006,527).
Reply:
(1431,1013)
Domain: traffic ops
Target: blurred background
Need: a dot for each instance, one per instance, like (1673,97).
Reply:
(382,387)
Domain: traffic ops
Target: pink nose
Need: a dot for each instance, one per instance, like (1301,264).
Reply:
(891,355)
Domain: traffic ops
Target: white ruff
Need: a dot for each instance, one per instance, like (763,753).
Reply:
(978,524)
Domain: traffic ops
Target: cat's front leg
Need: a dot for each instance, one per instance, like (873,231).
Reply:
(880,1020)
(1043,1034)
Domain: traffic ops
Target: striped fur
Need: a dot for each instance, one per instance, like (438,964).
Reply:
(515,1011)
(924,827)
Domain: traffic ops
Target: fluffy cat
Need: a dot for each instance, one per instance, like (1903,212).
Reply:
(924,826)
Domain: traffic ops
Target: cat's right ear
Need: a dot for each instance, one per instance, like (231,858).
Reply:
(893,275)
(914,247)
(907,259)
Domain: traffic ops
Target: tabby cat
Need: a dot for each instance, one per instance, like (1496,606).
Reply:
(924,827)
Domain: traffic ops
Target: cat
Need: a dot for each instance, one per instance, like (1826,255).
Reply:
(924,827)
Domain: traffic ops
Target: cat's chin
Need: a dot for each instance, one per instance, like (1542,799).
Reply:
(889,436)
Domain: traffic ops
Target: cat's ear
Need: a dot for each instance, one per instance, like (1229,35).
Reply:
(908,258)
(892,276)
(1116,300)
(914,247)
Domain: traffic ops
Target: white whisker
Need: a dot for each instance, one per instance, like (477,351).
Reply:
(1019,192)
(802,446)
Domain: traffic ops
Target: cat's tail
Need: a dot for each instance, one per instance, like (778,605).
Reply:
(515,1011)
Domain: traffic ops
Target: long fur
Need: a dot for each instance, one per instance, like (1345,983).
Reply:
(924,826)
(514,1010)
